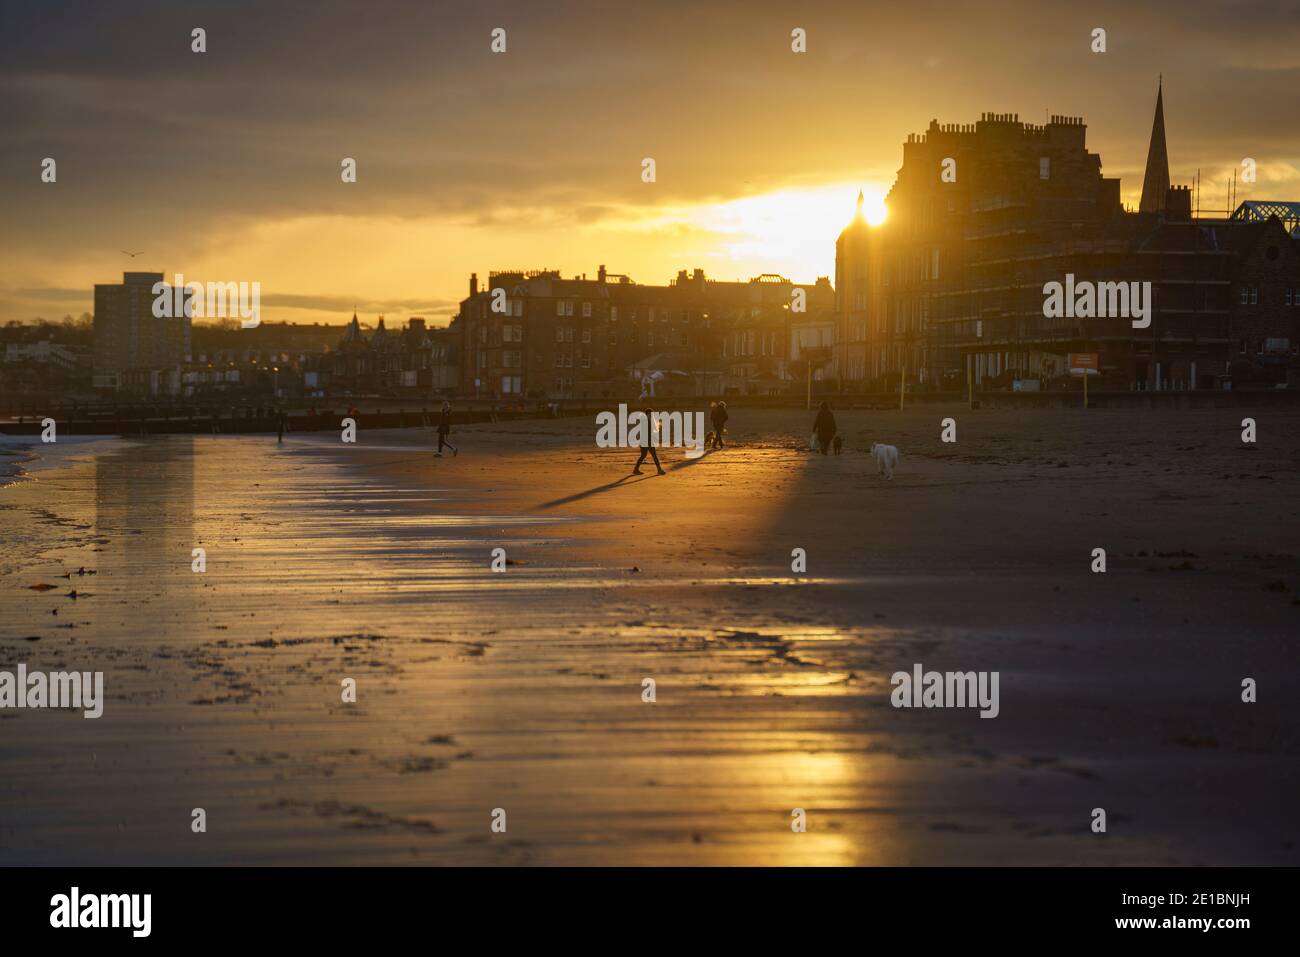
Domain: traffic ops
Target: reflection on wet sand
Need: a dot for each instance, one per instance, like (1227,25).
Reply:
(522,690)
(475,691)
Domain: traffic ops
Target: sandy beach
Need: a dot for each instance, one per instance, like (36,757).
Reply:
(522,689)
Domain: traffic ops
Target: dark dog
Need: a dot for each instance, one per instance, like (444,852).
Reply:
(838,444)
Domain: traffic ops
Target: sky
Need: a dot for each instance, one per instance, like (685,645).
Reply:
(224,166)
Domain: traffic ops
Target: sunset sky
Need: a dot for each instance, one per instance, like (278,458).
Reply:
(225,165)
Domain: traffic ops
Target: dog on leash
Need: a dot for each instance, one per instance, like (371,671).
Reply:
(838,444)
(709,439)
(886,457)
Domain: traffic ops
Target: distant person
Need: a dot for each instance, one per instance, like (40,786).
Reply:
(280,420)
(444,430)
(652,427)
(718,416)
(824,428)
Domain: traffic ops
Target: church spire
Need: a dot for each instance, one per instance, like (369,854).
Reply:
(1155,184)
(861,200)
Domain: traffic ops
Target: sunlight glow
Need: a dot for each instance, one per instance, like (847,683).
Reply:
(790,231)
(874,209)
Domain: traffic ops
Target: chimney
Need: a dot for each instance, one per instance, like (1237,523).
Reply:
(699,278)
(473,284)
(601,275)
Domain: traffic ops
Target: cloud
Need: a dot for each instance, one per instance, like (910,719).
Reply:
(229,160)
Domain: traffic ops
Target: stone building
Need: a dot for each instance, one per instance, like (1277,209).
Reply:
(417,360)
(983,216)
(546,336)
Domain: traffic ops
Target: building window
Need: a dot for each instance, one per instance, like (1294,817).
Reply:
(510,359)
(1245,296)
(613,313)
(1044,167)
(650,339)
(586,333)
(586,309)
(513,333)
(510,384)
(586,362)
(1288,295)
(1254,295)
(517,307)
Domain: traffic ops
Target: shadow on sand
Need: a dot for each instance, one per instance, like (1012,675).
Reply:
(687,463)
(624,482)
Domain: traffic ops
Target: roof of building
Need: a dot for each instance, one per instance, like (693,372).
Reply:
(1260,210)
(353,332)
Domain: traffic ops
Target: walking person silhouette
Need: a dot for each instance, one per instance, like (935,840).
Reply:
(652,432)
(444,430)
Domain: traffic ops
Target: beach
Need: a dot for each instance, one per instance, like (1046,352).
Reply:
(523,690)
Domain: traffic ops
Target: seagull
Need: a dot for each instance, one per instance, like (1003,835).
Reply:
(133,255)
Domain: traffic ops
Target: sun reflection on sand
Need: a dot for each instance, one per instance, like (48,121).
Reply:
(523,684)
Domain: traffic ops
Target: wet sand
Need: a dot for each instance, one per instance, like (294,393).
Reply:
(522,689)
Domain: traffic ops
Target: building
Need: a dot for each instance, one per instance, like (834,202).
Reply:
(852,283)
(812,350)
(535,334)
(43,367)
(444,359)
(136,351)
(417,360)
(43,353)
(984,215)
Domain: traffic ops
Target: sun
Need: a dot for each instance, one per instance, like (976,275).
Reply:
(791,231)
(874,209)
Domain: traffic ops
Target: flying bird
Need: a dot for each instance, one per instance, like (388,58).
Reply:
(133,255)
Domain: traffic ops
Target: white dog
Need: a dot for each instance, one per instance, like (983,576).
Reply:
(886,457)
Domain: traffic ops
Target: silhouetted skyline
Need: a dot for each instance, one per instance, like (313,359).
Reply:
(225,165)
